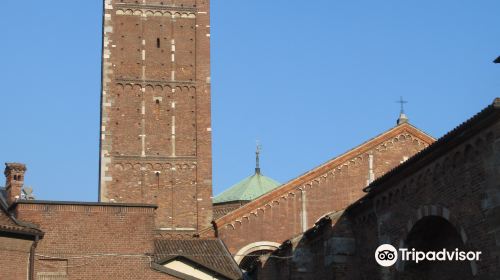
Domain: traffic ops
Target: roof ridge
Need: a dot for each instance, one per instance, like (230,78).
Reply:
(317,171)
(209,253)
(454,134)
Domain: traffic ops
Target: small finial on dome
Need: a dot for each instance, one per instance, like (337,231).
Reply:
(257,159)
(402,116)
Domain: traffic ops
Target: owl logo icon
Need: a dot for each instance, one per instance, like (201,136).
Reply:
(386,255)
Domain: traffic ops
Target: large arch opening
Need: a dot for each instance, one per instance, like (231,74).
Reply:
(248,256)
(248,262)
(434,233)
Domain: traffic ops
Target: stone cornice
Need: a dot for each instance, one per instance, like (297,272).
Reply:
(79,206)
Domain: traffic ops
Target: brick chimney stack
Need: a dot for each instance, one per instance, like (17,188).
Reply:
(14,181)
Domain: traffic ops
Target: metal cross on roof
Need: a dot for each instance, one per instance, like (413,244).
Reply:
(402,102)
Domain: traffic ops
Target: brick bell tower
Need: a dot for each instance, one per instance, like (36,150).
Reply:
(155,144)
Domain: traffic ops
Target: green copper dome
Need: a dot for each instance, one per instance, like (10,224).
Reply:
(248,189)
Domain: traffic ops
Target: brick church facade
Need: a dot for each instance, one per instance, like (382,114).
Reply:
(260,226)
(446,196)
(154,218)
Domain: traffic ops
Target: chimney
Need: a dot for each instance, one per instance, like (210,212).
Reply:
(14,180)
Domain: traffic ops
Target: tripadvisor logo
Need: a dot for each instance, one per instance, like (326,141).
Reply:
(386,255)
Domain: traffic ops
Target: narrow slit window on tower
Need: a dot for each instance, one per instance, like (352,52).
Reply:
(158,43)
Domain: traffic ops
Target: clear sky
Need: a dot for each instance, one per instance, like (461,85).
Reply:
(309,79)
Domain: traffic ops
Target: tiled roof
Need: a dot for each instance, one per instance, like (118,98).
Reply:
(10,224)
(209,253)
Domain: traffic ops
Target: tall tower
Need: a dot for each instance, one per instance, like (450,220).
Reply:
(155,144)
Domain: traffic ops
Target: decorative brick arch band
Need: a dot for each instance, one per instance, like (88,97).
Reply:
(436,211)
(253,247)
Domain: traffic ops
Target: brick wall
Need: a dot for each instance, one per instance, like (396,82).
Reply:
(91,241)
(155,132)
(446,197)
(460,188)
(280,214)
(14,257)
(326,251)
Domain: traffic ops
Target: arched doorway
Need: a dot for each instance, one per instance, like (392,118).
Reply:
(434,233)
(248,255)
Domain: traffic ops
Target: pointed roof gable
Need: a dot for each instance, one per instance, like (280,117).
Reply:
(318,171)
(211,254)
(453,138)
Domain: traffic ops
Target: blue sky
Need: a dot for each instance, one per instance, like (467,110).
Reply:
(309,80)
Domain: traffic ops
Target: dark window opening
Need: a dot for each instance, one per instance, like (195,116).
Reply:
(433,233)
(158,43)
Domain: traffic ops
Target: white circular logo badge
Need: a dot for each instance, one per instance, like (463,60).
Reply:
(386,255)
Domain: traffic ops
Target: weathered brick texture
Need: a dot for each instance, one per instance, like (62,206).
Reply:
(326,251)
(155,131)
(92,241)
(445,197)
(14,257)
(460,187)
(298,204)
